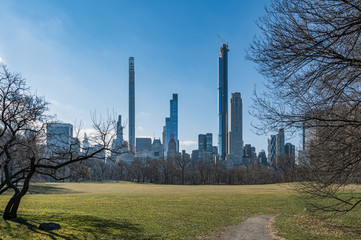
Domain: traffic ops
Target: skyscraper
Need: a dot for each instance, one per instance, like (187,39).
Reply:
(271,149)
(85,145)
(117,144)
(205,148)
(157,149)
(120,130)
(171,124)
(163,139)
(262,157)
(223,102)
(131,105)
(280,142)
(290,152)
(59,136)
(235,135)
(172,148)
(209,144)
(202,144)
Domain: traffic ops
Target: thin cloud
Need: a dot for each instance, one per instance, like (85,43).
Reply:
(62,106)
(188,143)
(145,114)
(144,137)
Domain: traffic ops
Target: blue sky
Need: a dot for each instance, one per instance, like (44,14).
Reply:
(75,53)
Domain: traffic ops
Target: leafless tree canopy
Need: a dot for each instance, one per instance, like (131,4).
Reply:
(24,152)
(310,54)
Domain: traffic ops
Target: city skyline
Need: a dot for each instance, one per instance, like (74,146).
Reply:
(175,56)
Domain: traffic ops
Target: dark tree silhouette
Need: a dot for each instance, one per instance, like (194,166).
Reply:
(24,151)
(310,54)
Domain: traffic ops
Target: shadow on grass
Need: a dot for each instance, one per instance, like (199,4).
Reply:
(76,227)
(45,189)
(345,229)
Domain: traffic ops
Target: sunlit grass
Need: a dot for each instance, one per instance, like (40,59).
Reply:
(148,211)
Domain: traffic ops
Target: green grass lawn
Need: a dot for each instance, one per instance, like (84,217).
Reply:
(147,211)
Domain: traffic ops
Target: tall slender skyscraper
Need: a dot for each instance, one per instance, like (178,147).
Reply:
(120,130)
(171,124)
(235,135)
(223,101)
(271,149)
(131,105)
(280,142)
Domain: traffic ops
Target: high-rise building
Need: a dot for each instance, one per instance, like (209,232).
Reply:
(120,130)
(215,150)
(118,145)
(280,142)
(249,154)
(172,148)
(143,145)
(202,144)
(157,149)
(290,152)
(195,154)
(163,139)
(85,145)
(223,102)
(262,159)
(205,147)
(209,142)
(131,105)
(276,147)
(171,124)
(271,149)
(235,135)
(247,151)
(59,136)
(118,141)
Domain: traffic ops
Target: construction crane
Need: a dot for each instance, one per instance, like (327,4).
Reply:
(220,38)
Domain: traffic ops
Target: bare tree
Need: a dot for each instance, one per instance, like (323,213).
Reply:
(181,162)
(310,54)
(24,149)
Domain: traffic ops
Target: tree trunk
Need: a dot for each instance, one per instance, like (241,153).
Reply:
(12,207)
(11,210)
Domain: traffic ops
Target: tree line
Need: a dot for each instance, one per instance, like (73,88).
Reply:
(181,170)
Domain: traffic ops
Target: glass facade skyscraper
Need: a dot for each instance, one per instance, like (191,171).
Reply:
(59,136)
(171,124)
(205,148)
(209,144)
(271,149)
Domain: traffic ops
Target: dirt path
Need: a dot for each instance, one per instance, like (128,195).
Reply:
(254,228)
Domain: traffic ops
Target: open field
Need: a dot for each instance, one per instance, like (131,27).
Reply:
(147,211)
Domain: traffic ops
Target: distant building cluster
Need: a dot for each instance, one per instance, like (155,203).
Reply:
(278,152)
(230,149)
